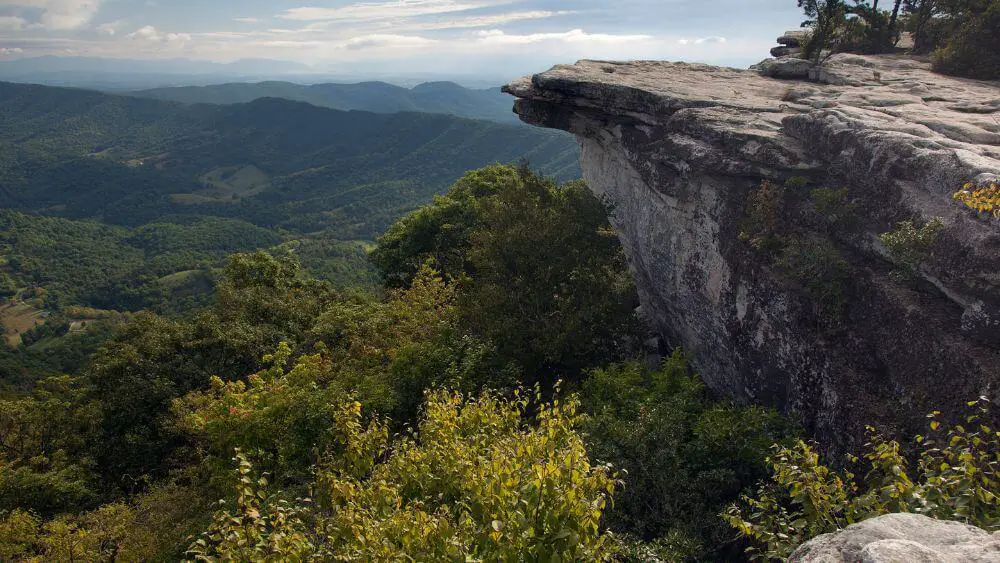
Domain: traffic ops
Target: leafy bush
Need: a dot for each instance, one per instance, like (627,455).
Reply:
(984,199)
(972,49)
(835,209)
(472,482)
(909,246)
(815,263)
(760,224)
(957,477)
(683,455)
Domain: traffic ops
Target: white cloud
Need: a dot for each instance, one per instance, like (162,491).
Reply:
(247,20)
(111,28)
(151,34)
(491,20)
(60,14)
(702,40)
(388,40)
(6,51)
(385,10)
(496,36)
(12,22)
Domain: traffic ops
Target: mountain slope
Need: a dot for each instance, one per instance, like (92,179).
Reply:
(378,97)
(271,162)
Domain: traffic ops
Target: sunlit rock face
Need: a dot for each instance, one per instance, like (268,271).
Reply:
(895,538)
(676,148)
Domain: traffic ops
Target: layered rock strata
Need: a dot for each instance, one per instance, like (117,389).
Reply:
(677,148)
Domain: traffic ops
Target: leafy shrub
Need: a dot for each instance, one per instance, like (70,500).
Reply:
(760,224)
(973,48)
(815,263)
(909,246)
(145,530)
(683,455)
(835,209)
(957,477)
(984,199)
(472,482)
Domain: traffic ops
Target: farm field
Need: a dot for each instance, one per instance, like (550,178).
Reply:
(17,317)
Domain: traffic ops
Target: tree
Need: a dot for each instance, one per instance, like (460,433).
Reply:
(541,274)
(683,456)
(826,22)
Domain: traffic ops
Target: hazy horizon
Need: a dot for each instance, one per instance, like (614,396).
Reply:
(472,38)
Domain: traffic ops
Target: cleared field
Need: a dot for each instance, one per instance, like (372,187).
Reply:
(17,318)
(226,185)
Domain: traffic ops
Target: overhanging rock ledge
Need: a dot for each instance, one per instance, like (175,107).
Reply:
(676,148)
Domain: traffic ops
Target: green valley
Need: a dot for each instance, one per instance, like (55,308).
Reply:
(169,190)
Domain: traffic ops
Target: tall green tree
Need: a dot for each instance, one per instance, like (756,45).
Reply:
(541,273)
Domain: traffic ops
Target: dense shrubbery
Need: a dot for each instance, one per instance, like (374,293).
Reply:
(909,245)
(682,455)
(796,229)
(379,427)
(956,477)
(961,35)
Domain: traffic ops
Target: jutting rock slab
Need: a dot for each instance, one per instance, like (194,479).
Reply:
(677,148)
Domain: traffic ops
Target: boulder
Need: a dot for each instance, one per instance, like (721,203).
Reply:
(902,538)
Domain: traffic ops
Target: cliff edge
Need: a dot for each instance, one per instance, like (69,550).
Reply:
(677,149)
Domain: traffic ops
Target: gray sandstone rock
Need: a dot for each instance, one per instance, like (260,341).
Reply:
(902,538)
(677,148)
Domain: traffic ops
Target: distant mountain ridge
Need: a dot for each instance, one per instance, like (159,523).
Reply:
(272,162)
(377,97)
(125,75)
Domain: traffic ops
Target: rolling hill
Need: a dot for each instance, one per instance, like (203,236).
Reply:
(378,97)
(187,184)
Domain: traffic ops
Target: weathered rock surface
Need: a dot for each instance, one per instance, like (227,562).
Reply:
(902,538)
(676,148)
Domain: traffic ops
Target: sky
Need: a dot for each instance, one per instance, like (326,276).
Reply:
(442,36)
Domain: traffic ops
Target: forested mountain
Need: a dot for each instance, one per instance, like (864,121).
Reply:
(378,97)
(185,185)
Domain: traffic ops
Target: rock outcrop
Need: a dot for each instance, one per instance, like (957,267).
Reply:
(676,148)
(902,538)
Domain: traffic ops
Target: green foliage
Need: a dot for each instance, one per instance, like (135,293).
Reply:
(909,245)
(135,161)
(797,234)
(955,478)
(145,530)
(543,277)
(972,49)
(45,439)
(816,265)
(260,527)
(826,22)
(472,481)
(760,223)
(683,456)
(835,209)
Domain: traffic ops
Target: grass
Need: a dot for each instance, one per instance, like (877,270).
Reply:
(227,184)
(17,318)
